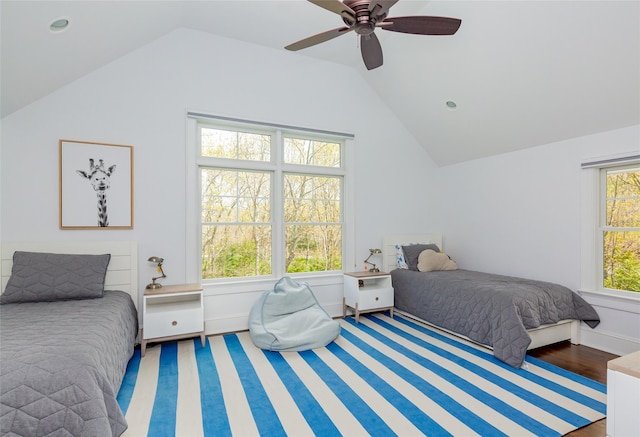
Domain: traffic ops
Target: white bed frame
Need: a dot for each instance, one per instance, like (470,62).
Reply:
(542,336)
(122,272)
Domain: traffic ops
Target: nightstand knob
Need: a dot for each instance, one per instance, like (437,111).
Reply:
(174,323)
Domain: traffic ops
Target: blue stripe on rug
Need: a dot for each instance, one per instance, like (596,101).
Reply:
(354,403)
(263,412)
(408,409)
(215,420)
(129,381)
(310,408)
(163,416)
(595,385)
(457,410)
(497,404)
(530,397)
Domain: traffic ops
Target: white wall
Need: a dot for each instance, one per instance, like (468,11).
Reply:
(142,99)
(520,214)
(516,213)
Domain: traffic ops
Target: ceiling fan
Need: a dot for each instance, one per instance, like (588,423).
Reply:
(363,16)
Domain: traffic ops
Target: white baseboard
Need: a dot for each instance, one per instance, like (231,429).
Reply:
(611,342)
(240,322)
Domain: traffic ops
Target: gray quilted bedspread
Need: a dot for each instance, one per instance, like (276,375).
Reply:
(493,310)
(62,363)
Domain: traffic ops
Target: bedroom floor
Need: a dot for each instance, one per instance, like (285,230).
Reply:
(582,360)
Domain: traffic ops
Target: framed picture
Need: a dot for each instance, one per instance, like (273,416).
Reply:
(96,185)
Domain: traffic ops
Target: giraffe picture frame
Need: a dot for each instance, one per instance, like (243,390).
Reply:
(95,185)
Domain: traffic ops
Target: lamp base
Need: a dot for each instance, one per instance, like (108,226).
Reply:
(374,270)
(153,286)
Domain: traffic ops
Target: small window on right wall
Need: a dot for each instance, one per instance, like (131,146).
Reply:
(619,228)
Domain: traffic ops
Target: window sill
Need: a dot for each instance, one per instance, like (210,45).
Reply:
(615,300)
(250,285)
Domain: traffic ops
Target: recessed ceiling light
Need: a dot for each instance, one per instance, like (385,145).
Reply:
(59,24)
(451,105)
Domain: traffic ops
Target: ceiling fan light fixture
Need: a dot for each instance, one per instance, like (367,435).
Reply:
(59,24)
(451,105)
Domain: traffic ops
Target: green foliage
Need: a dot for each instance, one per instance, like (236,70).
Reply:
(621,269)
(299,265)
(235,260)
(626,273)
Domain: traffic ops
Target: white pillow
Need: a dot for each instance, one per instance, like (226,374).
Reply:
(400,262)
(429,261)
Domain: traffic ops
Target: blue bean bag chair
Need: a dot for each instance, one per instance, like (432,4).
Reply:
(289,318)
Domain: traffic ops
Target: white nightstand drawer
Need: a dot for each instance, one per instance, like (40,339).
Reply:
(174,323)
(378,298)
(366,292)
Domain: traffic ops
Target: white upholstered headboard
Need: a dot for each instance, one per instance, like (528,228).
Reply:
(122,272)
(389,242)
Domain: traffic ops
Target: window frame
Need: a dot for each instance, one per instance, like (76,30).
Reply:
(279,168)
(602,228)
(593,214)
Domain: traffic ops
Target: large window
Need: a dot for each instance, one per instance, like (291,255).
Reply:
(620,227)
(271,200)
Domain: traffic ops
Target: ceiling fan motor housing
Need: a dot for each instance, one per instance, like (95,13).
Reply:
(364,22)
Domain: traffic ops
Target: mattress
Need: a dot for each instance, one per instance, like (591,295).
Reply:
(62,363)
(492,310)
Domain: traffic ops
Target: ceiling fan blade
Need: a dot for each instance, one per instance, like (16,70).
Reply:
(380,8)
(422,25)
(319,38)
(371,51)
(336,6)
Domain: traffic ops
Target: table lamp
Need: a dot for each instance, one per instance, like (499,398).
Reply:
(154,285)
(374,269)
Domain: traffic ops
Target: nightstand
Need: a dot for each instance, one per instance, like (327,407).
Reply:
(365,292)
(171,313)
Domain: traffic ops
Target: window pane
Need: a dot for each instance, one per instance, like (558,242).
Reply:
(623,198)
(309,152)
(219,143)
(312,215)
(235,250)
(313,248)
(622,260)
(231,196)
(312,199)
(236,229)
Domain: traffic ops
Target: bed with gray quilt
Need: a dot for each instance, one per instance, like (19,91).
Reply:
(490,309)
(66,343)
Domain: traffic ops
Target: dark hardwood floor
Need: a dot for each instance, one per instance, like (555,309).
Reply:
(584,361)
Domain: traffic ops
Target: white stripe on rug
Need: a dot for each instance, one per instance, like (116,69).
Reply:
(238,408)
(189,410)
(382,376)
(139,412)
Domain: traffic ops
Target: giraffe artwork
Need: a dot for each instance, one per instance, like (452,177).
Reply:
(100,179)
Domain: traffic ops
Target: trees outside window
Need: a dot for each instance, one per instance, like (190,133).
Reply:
(620,227)
(271,201)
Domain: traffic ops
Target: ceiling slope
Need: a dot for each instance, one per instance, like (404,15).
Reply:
(522,73)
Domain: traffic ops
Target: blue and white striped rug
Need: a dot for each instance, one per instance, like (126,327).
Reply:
(382,376)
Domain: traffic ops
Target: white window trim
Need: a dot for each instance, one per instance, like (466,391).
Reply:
(193,257)
(591,233)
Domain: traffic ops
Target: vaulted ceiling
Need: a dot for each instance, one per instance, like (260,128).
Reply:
(522,73)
